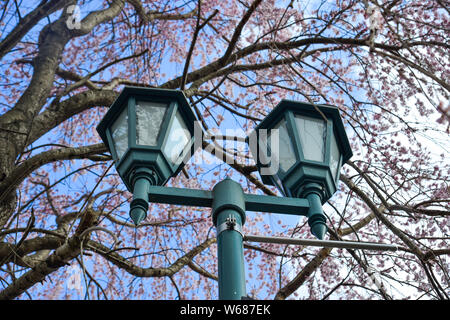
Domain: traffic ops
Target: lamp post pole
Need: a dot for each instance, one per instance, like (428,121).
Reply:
(228,214)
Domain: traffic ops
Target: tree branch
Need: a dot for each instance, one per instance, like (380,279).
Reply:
(62,255)
(44,9)
(23,170)
(379,214)
(137,271)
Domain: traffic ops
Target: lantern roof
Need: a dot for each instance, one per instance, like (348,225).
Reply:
(145,93)
(144,155)
(309,109)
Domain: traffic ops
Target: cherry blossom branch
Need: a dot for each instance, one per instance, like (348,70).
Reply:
(154,15)
(195,267)
(95,18)
(413,65)
(86,79)
(379,214)
(303,275)
(237,33)
(137,271)
(24,169)
(26,23)
(198,27)
(59,111)
(315,263)
(59,258)
(269,45)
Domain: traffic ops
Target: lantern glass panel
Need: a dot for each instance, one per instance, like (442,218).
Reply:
(312,132)
(334,156)
(179,137)
(119,133)
(149,116)
(285,151)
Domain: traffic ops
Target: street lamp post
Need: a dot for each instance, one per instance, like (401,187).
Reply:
(150,134)
(228,214)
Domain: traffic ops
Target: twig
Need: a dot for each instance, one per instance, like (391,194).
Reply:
(194,39)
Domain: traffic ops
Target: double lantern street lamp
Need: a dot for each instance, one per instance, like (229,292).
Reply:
(150,134)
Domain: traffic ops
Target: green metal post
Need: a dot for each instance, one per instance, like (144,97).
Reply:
(228,213)
(143,178)
(313,192)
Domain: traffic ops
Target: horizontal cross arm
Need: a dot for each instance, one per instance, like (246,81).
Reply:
(274,204)
(180,196)
(203,198)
